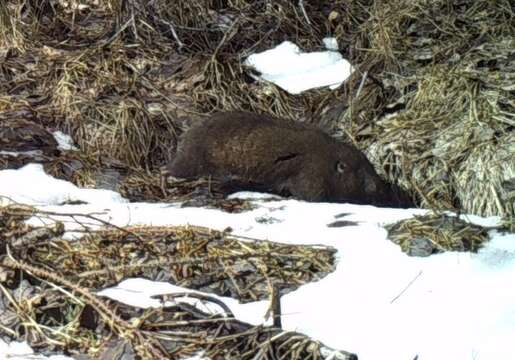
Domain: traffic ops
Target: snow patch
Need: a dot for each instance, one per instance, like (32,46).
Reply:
(378,303)
(64,141)
(138,292)
(250,195)
(22,351)
(32,186)
(296,71)
(330,43)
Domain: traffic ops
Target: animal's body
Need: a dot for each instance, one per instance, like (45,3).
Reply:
(259,152)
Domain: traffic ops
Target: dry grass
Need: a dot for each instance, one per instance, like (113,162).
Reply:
(47,293)
(430,234)
(434,112)
(431,104)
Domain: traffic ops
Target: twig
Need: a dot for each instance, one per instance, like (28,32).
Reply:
(227,33)
(361,84)
(276,306)
(174,33)
(115,322)
(301,5)
(406,288)
(201,297)
(89,216)
(117,33)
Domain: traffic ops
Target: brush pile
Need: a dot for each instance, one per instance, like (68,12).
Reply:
(431,234)
(48,288)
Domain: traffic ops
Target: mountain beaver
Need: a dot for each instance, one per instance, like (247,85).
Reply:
(263,153)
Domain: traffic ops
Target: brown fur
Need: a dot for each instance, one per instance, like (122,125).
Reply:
(259,152)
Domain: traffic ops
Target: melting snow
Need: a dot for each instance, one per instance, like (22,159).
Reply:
(30,185)
(64,141)
(296,71)
(379,303)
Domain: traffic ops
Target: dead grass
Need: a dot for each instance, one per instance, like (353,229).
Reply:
(48,298)
(430,103)
(434,111)
(436,233)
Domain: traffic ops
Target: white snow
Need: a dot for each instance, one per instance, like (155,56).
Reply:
(330,43)
(137,292)
(379,303)
(64,141)
(30,185)
(199,356)
(296,71)
(21,351)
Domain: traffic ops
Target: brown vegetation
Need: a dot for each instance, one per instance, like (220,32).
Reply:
(430,101)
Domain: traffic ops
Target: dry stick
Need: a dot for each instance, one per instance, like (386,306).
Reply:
(169,297)
(162,182)
(243,333)
(209,321)
(122,28)
(276,306)
(27,320)
(120,326)
(174,33)
(406,288)
(90,216)
(286,343)
(224,39)
(301,5)
(361,84)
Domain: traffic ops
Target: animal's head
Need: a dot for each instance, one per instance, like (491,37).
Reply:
(343,174)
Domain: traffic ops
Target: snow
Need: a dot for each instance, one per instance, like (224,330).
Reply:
(64,141)
(138,292)
(379,303)
(30,185)
(20,350)
(296,71)
(330,43)
(199,356)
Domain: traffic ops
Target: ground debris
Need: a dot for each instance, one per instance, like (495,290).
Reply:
(434,233)
(189,256)
(47,292)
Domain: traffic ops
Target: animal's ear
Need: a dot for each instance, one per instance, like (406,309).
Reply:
(340,167)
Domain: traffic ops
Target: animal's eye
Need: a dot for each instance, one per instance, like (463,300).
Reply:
(340,167)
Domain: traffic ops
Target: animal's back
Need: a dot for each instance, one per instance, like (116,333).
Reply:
(252,147)
(259,152)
